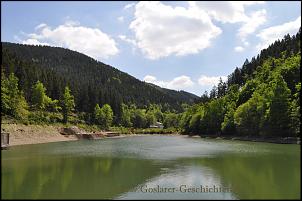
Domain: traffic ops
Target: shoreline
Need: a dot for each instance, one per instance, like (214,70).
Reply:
(20,134)
(37,134)
(274,140)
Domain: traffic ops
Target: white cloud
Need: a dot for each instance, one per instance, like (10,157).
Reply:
(181,82)
(271,34)
(256,19)
(239,49)
(40,26)
(225,11)
(90,41)
(120,19)
(178,83)
(126,39)
(234,12)
(245,43)
(184,82)
(161,30)
(153,80)
(130,5)
(32,41)
(150,79)
(210,81)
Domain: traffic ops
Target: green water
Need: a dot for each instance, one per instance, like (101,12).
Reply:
(129,168)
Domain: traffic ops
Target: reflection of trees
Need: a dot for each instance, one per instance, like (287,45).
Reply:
(74,177)
(262,177)
(105,165)
(14,181)
(66,177)
(269,175)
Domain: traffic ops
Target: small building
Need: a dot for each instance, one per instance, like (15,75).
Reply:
(157,125)
(4,140)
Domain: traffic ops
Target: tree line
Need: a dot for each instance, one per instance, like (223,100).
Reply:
(40,108)
(260,99)
(91,82)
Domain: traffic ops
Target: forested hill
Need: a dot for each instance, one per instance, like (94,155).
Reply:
(284,48)
(90,81)
(260,99)
(181,95)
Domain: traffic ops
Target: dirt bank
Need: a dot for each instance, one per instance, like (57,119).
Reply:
(33,134)
(20,134)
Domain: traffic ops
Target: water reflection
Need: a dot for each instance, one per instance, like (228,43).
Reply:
(118,168)
(73,178)
(259,177)
(185,182)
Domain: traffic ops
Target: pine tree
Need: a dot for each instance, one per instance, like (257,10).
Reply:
(67,103)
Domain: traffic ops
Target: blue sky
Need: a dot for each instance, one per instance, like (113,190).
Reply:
(179,45)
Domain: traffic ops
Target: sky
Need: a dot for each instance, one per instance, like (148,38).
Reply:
(181,45)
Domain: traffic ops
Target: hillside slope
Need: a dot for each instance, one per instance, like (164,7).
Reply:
(90,81)
(260,99)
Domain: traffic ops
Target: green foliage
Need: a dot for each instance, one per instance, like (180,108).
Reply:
(231,98)
(5,98)
(150,118)
(186,117)
(12,100)
(171,120)
(92,82)
(249,116)
(246,91)
(228,124)
(143,118)
(125,130)
(108,114)
(195,123)
(154,131)
(98,115)
(43,117)
(53,106)
(21,108)
(41,101)
(290,70)
(39,98)
(126,116)
(261,98)
(67,103)
(138,118)
(103,116)
(295,114)
(277,114)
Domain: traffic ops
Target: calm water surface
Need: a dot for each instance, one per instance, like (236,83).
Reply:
(140,167)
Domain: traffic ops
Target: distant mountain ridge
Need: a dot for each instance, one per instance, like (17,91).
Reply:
(90,81)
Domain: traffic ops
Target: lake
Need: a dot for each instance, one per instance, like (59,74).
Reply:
(151,167)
